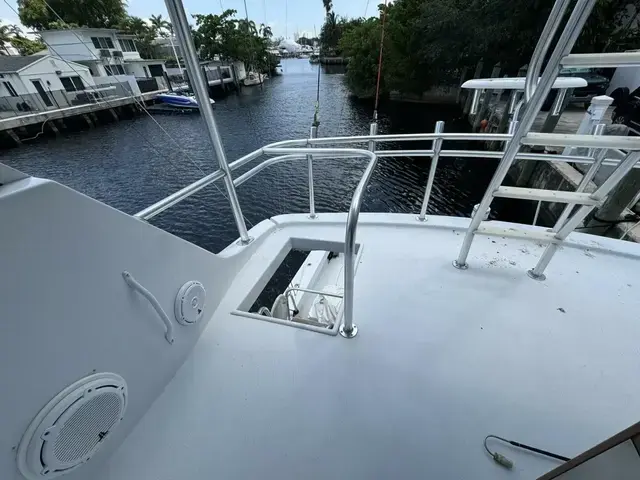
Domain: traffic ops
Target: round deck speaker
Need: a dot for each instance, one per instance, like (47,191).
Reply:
(72,427)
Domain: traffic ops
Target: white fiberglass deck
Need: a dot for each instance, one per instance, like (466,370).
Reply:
(443,358)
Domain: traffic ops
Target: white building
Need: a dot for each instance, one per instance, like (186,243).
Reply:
(44,82)
(107,53)
(7,49)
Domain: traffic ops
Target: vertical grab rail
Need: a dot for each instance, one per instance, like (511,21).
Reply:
(348,329)
(437,146)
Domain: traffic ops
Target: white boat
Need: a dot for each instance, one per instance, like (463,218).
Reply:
(253,78)
(180,101)
(279,70)
(128,353)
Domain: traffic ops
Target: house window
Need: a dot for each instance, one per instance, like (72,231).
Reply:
(127,45)
(102,42)
(114,69)
(9,87)
(72,84)
(156,70)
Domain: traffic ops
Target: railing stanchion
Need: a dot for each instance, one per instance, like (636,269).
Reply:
(437,146)
(201,90)
(348,329)
(312,201)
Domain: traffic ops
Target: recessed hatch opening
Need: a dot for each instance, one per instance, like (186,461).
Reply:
(303,287)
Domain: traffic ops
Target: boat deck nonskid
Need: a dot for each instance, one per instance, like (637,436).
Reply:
(443,358)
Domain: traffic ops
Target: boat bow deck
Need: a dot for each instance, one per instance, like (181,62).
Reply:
(443,358)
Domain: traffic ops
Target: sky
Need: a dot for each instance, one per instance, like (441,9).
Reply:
(286,17)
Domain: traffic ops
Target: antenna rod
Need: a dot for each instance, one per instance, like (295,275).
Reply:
(201,90)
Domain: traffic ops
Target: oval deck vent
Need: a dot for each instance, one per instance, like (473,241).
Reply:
(73,426)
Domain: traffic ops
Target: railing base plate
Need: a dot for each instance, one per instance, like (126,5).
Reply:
(350,334)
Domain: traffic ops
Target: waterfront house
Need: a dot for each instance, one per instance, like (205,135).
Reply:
(41,82)
(107,53)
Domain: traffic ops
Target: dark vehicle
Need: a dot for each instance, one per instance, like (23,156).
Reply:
(596,85)
(627,109)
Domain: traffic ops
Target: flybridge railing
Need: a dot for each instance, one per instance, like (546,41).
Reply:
(291,150)
(603,150)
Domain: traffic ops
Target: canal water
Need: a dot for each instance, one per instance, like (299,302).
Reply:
(134,163)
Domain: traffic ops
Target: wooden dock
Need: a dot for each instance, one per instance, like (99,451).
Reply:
(567,123)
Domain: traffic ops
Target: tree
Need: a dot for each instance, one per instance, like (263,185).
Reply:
(362,46)
(26,46)
(308,41)
(44,14)
(161,25)
(4,39)
(332,31)
(429,42)
(15,30)
(227,38)
(145,35)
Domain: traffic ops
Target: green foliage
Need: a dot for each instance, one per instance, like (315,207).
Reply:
(26,46)
(429,42)
(333,29)
(308,41)
(84,13)
(362,45)
(227,38)
(145,35)
(162,26)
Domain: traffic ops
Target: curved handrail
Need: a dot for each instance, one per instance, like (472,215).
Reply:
(135,285)
(350,244)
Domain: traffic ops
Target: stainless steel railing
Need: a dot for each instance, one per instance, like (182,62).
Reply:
(306,149)
(167,202)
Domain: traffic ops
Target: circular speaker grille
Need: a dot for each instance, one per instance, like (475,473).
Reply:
(87,427)
(70,429)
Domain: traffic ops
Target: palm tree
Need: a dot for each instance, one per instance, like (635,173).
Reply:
(4,38)
(265,31)
(328,5)
(15,30)
(160,24)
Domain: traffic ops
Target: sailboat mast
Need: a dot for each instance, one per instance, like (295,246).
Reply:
(201,90)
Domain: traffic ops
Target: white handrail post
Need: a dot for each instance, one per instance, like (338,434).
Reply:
(183,33)
(312,201)
(348,329)
(437,146)
(592,117)
(567,38)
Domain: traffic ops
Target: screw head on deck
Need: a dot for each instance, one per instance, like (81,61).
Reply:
(535,276)
(348,334)
(460,266)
